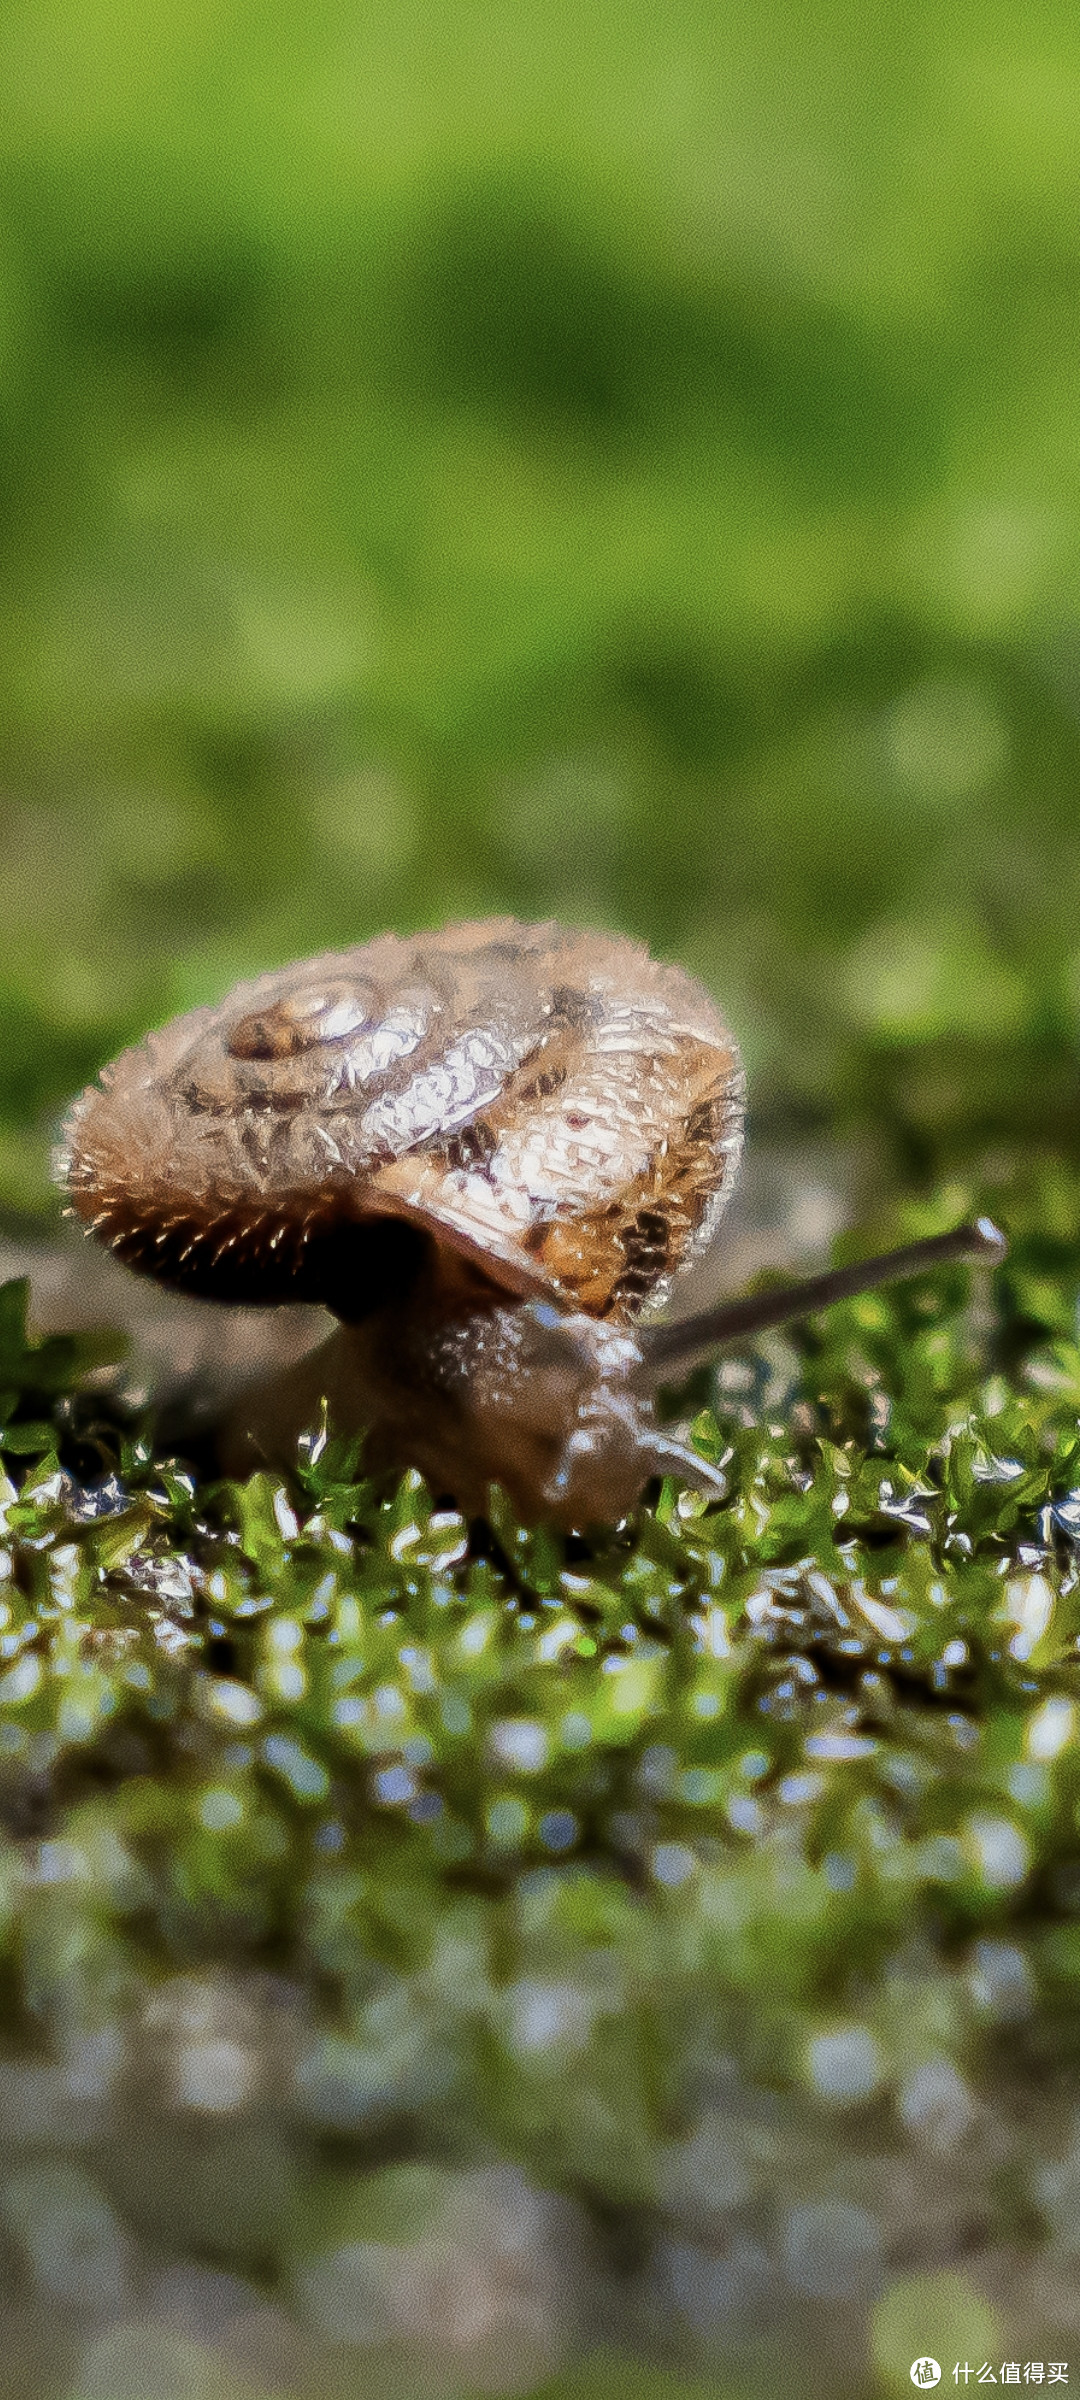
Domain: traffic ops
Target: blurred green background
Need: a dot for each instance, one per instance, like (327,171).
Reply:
(621,461)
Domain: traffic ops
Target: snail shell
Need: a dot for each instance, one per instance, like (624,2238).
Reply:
(549,1112)
(485,1150)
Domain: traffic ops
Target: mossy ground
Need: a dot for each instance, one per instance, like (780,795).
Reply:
(545,1828)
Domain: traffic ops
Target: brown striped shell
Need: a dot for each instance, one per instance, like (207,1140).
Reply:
(553,1110)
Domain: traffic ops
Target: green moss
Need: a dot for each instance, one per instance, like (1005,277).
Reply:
(748,1748)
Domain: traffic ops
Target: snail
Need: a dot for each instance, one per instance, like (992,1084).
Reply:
(487,1151)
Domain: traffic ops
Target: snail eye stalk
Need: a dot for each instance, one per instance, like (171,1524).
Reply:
(668,1346)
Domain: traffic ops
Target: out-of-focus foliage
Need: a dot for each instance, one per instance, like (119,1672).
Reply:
(622,461)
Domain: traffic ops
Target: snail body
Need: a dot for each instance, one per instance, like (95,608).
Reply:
(553,1406)
(489,1151)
